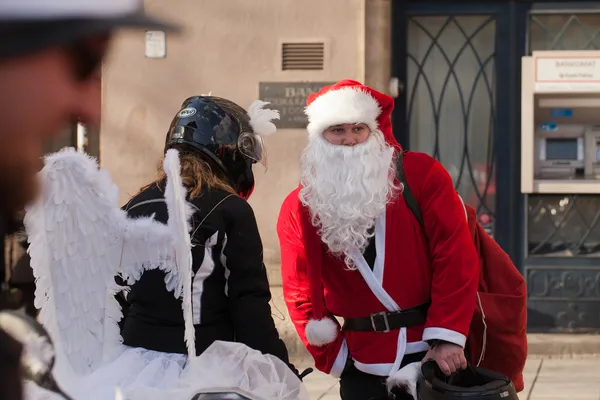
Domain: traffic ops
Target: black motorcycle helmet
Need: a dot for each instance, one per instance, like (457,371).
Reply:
(472,383)
(220,131)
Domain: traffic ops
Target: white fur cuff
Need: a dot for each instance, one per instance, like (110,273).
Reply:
(406,378)
(321,332)
(447,335)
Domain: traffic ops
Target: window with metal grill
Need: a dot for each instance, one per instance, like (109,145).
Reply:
(303,56)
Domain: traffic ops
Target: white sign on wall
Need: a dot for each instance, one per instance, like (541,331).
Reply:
(156,44)
(575,73)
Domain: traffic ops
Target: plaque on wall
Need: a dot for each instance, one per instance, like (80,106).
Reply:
(289,98)
(156,44)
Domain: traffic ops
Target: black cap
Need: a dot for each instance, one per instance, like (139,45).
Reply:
(33,25)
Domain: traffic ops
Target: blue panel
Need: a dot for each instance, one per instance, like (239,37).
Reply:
(561,113)
(548,127)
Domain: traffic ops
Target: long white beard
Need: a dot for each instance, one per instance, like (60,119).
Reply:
(346,189)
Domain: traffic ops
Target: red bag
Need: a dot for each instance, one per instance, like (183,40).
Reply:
(497,337)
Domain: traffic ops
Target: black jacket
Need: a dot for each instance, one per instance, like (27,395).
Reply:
(11,387)
(230,290)
(10,376)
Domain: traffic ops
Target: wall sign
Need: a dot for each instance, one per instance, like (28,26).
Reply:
(289,98)
(567,72)
(156,44)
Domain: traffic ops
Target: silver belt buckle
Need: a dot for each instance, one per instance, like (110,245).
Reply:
(382,314)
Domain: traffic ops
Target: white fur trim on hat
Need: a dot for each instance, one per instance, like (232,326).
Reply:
(406,378)
(320,332)
(342,106)
(260,118)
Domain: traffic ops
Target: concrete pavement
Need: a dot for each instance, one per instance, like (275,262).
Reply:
(546,378)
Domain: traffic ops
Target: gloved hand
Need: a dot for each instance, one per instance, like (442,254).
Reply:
(305,373)
(302,375)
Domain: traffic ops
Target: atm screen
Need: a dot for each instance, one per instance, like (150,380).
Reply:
(561,149)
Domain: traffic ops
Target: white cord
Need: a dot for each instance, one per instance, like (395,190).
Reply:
(464,208)
(484,331)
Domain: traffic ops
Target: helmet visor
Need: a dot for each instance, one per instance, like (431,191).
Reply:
(251,145)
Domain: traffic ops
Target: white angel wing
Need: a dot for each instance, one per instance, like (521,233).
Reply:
(79,240)
(72,231)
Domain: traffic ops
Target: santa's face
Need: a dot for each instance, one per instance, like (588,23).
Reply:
(346,188)
(347,134)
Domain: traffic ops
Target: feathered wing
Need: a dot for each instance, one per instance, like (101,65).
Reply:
(79,240)
(73,230)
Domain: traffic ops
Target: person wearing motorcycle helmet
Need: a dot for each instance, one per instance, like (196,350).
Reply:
(224,135)
(218,143)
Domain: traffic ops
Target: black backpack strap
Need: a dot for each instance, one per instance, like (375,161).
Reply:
(409,197)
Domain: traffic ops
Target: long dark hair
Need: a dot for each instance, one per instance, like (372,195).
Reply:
(196,173)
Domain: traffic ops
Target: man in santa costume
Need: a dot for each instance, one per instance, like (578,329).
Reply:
(352,249)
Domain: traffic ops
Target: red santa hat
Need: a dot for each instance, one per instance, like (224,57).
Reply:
(345,102)
(349,102)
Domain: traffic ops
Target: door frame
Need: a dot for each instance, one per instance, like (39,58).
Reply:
(511,25)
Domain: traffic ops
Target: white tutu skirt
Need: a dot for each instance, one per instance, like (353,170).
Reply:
(143,374)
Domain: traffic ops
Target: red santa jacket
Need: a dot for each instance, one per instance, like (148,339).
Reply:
(410,268)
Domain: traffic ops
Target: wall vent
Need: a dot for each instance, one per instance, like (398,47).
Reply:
(303,56)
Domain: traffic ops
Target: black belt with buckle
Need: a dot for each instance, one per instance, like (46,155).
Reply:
(387,321)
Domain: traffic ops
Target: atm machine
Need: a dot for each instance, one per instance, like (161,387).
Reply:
(560,178)
(560,133)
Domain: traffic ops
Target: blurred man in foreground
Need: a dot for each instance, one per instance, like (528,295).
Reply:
(49,62)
